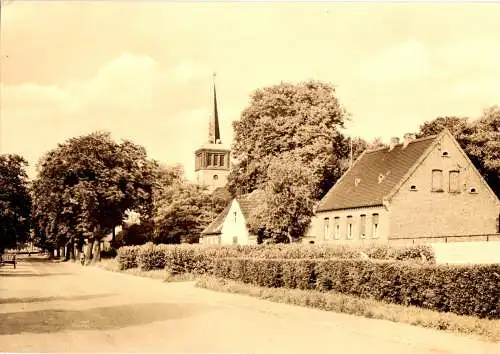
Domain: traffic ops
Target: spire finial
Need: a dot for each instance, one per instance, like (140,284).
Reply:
(215,134)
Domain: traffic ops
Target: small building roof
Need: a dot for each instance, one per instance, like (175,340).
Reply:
(374,175)
(247,202)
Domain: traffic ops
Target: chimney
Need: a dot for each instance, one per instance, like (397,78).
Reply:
(394,142)
(408,138)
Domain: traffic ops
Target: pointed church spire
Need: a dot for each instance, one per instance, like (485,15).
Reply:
(214,131)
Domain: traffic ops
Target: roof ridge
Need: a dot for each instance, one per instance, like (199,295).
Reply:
(411,142)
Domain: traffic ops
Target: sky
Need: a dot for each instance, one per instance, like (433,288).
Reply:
(142,70)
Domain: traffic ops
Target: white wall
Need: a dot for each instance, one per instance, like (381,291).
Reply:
(235,226)
(317,226)
(475,252)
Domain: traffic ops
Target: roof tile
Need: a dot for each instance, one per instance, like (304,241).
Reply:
(387,166)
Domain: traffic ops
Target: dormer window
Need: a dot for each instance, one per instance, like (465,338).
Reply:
(357,180)
(445,154)
(473,190)
(413,187)
(380,178)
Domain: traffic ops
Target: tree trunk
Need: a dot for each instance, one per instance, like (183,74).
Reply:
(113,236)
(63,252)
(89,254)
(97,250)
(58,252)
(70,250)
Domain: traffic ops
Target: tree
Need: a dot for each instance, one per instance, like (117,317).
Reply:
(481,142)
(289,144)
(86,185)
(305,118)
(456,125)
(287,201)
(182,211)
(15,201)
(480,139)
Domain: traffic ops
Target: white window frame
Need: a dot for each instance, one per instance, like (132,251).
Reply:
(350,227)
(336,234)
(326,228)
(362,226)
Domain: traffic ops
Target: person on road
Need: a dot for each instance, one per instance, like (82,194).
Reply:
(82,257)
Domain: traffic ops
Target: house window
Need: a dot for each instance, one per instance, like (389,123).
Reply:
(336,227)
(216,177)
(234,216)
(375,224)
(454,181)
(209,158)
(437,180)
(362,226)
(326,225)
(349,227)
(221,160)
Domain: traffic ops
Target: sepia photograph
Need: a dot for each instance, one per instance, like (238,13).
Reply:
(249,177)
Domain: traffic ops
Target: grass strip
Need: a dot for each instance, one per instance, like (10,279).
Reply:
(330,301)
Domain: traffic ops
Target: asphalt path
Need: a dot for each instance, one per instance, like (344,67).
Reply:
(63,307)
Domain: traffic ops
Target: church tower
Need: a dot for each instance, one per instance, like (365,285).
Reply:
(212,159)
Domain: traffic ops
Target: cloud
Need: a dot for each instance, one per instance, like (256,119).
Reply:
(132,96)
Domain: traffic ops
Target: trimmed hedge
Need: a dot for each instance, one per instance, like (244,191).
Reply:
(465,289)
(199,258)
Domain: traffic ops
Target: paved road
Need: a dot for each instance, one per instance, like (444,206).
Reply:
(47,307)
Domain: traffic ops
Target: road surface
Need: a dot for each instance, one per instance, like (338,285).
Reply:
(60,307)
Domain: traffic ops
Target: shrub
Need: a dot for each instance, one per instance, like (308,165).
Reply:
(199,258)
(150,257)
(127,257)
(464,290)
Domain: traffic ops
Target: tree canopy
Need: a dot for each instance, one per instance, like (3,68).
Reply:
(182,209)
(305,119)
(85,186)
(287,202)
(289,143)
(15,201)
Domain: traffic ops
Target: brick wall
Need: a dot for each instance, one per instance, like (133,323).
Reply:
(423,213)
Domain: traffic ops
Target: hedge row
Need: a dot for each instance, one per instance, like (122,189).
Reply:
(192,257)
(464,290)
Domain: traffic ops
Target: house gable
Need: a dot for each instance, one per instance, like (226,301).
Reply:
(444,195)
(234,230)
(446,137)
(232,221)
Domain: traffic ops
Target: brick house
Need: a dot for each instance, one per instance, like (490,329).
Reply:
(230,226)
(419,191)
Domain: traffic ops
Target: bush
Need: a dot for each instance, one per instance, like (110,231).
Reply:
(463,290)
(150,257)
(199,259)
(127,257)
